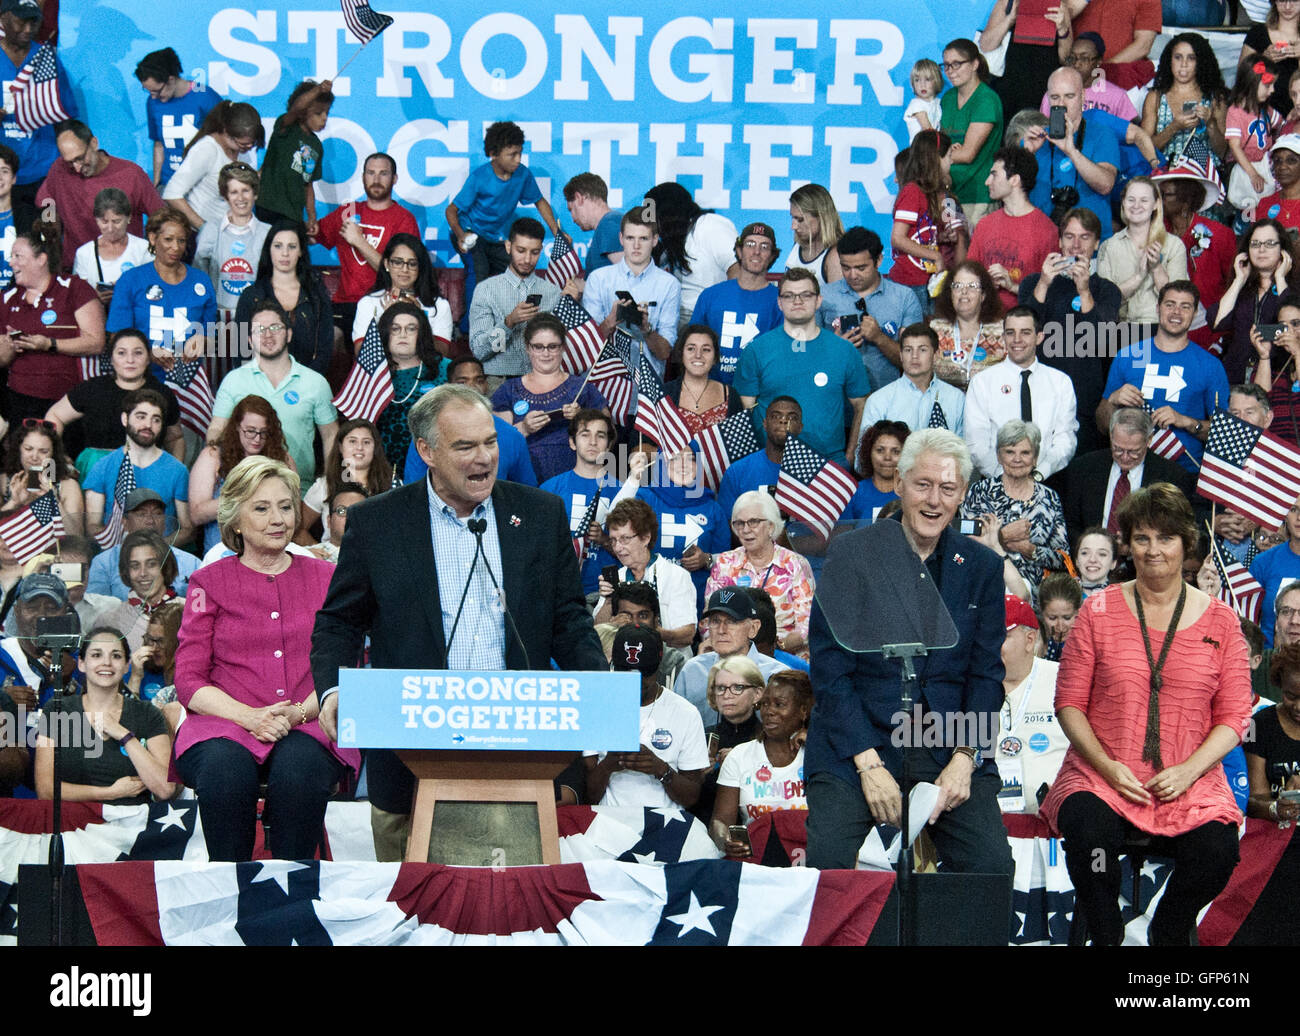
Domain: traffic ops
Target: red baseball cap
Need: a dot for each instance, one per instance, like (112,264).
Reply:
(1019,613)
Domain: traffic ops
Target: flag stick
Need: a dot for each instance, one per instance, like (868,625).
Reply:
(349,61)
(1225,584)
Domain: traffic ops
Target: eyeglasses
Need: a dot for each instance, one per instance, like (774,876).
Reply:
(546,347)
(1115,451)
(262,330)
(797,296)
(734,691)
(743,524)
(965,286)
(1081,59)
(255,433)
(948,66)
(151,641)
(38,422)
(244,143)
(624,541)
(340,511)
(1260,245)
(80,160)
(757,246)
(404,264)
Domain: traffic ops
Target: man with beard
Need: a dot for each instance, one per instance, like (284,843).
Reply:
(366,230)
(152,468)
(502,305)
(300,397)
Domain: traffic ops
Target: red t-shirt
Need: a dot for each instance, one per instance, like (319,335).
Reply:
(356,278)
(74,199)
(1117,20)
(46,375)
(1019,243)
(913,208)
(1288,212)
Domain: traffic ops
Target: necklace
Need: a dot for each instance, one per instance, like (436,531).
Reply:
(1151,742)
(414,385)
(699,396)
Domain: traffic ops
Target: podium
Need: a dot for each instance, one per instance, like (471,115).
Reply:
(478,802)
(455,780)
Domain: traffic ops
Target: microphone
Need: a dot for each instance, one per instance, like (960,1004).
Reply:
(478,526)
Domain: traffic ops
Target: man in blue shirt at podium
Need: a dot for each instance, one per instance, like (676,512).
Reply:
(405,578)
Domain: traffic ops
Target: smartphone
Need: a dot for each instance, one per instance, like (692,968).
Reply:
(36,472)
(69,573)
(1056,122)
(970,527)
(1190,106)
(628,313)
(740,833)
(1269,332)
(713,744)
(609,573)
(849,321)
(534,300)
(1289,796)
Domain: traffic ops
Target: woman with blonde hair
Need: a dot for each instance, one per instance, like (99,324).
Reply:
(1142,258)
(817,229)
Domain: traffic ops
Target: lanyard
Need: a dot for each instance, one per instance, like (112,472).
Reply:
(1015,721)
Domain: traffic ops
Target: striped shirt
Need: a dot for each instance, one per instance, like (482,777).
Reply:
(480,640)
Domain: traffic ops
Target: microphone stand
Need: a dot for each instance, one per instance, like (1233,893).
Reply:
(906,922)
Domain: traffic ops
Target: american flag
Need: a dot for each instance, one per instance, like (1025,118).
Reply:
(721,445)
(111,534)
(95,366)
(1249,471)
(1237,587)
(656,415)
(1197,162)
(582,339)
(363,22)
(35,91)
(612,374)
(369,387)
(189,382)
(34,528)
(563,265)
(580,539)
(812,488)
(937,418)
(1164,443)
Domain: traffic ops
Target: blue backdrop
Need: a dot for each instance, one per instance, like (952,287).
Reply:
(741,110)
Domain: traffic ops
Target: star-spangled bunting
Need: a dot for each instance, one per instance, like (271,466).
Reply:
(656,415)
(362,21)
(612,374)
(111,534)
(369,387)
(563,265)
(937,419)
(582,340)
(722,444)
(811,488)
(1237,587)
(33,529)
(189,382)
(94,366)
(1249,471)
(34,95)
(1164,443)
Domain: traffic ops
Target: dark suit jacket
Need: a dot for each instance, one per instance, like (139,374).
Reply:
(1083,486)
(857,694)
(386,586)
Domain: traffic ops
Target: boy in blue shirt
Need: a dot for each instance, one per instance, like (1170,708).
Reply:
(175,110)
(485,207)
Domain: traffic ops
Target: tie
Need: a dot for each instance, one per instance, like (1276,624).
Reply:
(1026,403)
(1117,498)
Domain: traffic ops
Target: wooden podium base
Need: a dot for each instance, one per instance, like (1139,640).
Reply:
(497,808)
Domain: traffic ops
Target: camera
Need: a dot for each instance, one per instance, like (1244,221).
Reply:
(1063,200)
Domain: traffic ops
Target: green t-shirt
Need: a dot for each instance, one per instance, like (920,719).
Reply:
(293,158)
(982,106)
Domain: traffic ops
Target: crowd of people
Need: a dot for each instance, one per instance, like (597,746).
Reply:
(225,563)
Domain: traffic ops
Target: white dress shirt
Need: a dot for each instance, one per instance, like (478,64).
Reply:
(993,399)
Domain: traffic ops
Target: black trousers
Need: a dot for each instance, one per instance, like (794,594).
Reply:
(971,839)
(300,774)
(1094,835)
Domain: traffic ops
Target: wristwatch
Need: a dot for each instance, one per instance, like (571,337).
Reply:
(975,756)
(1196,428)
(128,736)
(668,775)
